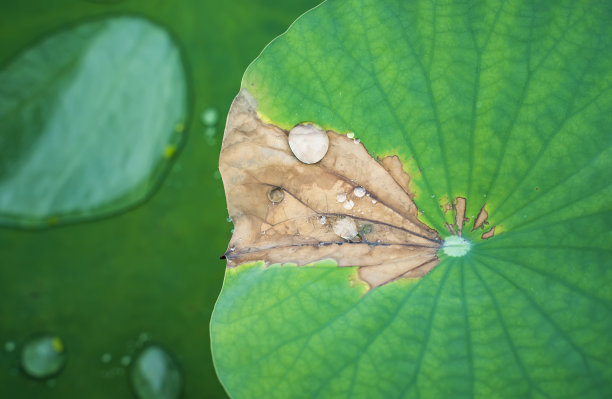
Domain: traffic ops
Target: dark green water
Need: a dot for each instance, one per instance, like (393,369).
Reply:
(151,272)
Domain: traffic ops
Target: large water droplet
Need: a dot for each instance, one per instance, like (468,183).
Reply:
(456,246)
(155,375)
(345,228)
(43,356)
(309,143)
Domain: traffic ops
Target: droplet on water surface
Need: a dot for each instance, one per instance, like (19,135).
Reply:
(43,356)
(156,375)
(10,346)
(210,117)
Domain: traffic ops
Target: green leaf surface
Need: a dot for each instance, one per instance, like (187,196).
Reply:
(89,119)
(506,104)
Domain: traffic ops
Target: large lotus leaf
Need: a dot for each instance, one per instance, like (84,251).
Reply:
(501,115)
(89,119)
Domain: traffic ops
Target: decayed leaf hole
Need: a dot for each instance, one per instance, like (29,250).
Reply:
(346,206)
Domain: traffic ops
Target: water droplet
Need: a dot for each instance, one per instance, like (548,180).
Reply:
(210,134)
(359,192)
(433,196)
(10,346)
(155,375)
(456,246)
(341,197)
(142,338)
(309,143)
(322,219)
(348,204)
(350,135)
(276,195)
(356,141)
(228,219)
(345,228)
(232,249)
(210,117)
(365,229)
(106,358)
(125,360)
(43,356)
(374,201)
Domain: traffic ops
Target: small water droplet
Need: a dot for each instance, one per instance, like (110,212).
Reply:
(322,219)
(10,346)
(341,197)
(156,375)
(433,196)
(374,201)
(350,135)
(232,231)
(210,116)
(276,195)
(228,219)
(125,360)
(359,192)
(232,249)
(43,356)
(106,358)
(348,204)
(356,141)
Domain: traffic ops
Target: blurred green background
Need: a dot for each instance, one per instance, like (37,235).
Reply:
(152,272)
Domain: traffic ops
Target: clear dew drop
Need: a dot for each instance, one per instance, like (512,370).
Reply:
(210,116)
(341,197)
(348,204)
(309,143)
(322,219)
(456,246)
(359,192)
(43,357)
(125,360)
(156,375)
(350,135)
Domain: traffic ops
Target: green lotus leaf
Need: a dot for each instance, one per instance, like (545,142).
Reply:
(90,117)
(500,113)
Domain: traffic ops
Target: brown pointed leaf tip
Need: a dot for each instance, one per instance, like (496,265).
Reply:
(347,206)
